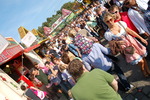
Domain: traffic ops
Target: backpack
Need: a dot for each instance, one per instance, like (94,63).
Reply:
(83,44)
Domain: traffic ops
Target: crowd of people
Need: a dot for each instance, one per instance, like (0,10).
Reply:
(78,65)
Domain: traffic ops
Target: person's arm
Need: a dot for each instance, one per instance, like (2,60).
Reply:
(114,85)
(50,76)
(54,72)
(35,88)
(91,29)
(131,32)
(78,52)
(104,49)
(109,78)
(87,65)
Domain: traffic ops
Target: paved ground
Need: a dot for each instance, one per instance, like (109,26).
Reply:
(135,77)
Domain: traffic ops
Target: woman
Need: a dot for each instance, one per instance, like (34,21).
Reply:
(119,30)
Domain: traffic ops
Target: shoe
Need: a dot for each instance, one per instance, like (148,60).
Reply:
(131,88)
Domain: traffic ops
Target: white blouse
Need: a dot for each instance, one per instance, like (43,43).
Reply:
(110,36)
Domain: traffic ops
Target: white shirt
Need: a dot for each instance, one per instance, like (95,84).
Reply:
(142,4)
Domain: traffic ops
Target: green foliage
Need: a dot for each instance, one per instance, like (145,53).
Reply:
(51,20)
(59,12)
(68,6)
(45,24)
(40,29)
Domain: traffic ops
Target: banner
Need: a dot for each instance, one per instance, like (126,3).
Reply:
(70,17)
(47,30)
(28,39)
(65,14)
(3,44)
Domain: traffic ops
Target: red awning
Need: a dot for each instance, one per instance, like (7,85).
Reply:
(31,48)
(10,52)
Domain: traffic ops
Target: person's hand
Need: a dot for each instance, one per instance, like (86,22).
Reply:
(94,39)
(144,41)
(39,83)
(50,76)
(50,67)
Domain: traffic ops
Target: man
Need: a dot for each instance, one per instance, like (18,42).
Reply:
(41,76)
(102,27)
(97,59)
(94,85)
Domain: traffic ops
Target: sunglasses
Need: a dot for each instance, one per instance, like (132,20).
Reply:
(115,12)
(110,20)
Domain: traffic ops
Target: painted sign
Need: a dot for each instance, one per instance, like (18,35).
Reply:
(10,53)
(28,39)
(3,44)
(13,50)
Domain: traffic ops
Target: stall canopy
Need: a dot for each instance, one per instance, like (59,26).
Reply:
(12,51)
(31,48)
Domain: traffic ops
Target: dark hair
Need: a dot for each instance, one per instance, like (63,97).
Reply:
(63,48)
(32,69)
(65,58)
(47,62)
(53,59)
(75,68)
(63,41)
(35,63)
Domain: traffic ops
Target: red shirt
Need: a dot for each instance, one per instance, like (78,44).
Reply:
(126,19)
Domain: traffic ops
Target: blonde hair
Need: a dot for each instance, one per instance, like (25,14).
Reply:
(72,33)
(107,15)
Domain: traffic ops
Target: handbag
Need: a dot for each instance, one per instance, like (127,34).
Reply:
(39,93)
(128,49)
(115,46)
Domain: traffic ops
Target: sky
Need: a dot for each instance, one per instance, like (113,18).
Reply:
(27,13)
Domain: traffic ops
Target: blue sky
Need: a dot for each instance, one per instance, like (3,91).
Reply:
(27,13)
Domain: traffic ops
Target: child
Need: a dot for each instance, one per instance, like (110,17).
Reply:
(66,76)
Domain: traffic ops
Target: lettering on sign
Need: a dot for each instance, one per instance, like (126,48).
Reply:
(9,53)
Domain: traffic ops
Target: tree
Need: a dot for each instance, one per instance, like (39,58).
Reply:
(68,6)
(49,19)
(59,12)
(40,29)
(45,24)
